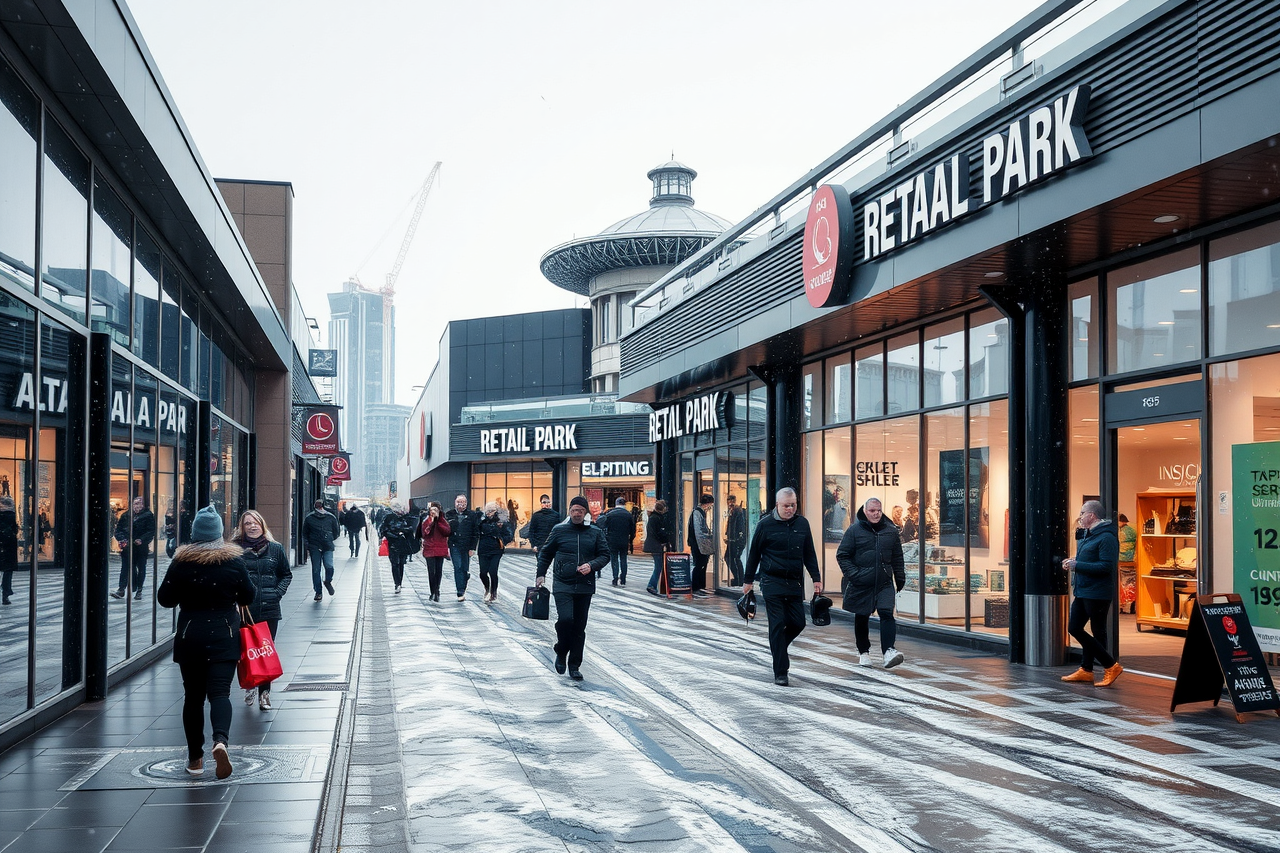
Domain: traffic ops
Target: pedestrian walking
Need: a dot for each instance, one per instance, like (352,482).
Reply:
(658,539)
(541,522)
(434,535)
(268,567)
(401,532)
(782,551)
(871,563)
(206,581)
(495,534)
(319,532)
(735,540)
(464,532)
(701,545)
(619,527)
(575,550)
(355,523)
(1093,581)
(135,531)
(8,547)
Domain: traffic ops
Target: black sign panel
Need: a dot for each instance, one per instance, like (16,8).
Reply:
(1220,646)
(1165,401)
(677,574)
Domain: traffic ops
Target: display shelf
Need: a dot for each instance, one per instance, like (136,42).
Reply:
(1162,600)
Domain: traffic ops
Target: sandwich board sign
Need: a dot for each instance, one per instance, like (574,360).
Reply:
(1221,647)
(677,574)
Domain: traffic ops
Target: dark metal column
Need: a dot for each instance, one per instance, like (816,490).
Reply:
(559,484)
(100,522)
(204,422)
(784,429)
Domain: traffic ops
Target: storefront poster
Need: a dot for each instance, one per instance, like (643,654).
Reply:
(1255,491)
(955,497)
(595,501)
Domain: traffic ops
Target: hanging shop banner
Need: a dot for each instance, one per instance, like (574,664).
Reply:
(690,417)
(340,467)
(828,247)
(322,362)
(1221,648)
(320,431)
(1255,491)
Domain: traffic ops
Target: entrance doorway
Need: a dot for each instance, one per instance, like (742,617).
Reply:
(1157,508)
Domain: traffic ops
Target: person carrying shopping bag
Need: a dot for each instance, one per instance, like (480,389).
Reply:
(268,566)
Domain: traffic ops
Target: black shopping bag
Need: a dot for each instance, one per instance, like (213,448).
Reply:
(537,603)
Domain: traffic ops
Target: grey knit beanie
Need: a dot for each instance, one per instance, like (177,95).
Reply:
(207,526)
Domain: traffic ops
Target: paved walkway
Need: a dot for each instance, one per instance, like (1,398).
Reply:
(403,724)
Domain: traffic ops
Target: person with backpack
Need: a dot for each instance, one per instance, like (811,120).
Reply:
(401,532)
(495,533)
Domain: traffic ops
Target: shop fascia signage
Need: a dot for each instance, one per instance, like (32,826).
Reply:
(149,412)
(618,468)
(1041,143)
(516,439)
(692,416)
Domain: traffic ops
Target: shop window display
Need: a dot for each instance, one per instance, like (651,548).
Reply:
(943,518)
(838,507)
(886,465)
(987,510)
(18,500)
(516,486)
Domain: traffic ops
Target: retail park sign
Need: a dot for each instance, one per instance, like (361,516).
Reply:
(516,439)
(690,417)
(1039,144)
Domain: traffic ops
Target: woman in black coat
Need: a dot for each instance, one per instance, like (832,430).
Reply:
(870,558)
(206,581)
(495,532)
(268,567)
(657,540)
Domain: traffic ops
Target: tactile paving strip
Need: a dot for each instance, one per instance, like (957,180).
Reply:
(123,769)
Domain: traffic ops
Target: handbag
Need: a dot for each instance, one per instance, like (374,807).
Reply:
(259,663)
(384,550)
(537,603)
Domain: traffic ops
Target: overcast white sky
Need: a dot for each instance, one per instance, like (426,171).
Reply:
(546,114)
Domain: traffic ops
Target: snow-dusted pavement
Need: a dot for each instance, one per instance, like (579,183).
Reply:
(678,740)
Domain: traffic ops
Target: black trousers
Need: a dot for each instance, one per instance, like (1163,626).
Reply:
(203,680)
(489,572)
(435,568)
(571,626)
(699,570)
(134,557)
(274,626)
(786,621)
(353,542)
(733,556)
(862,630)
(397,566)
(1094,611)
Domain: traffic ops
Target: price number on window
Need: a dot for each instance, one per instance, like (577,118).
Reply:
(1266,595)
(1266,539)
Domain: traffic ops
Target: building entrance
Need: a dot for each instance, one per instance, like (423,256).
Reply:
(1158,511)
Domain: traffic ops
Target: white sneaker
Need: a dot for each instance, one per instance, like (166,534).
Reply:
(250,695)
(264,701)
(892,657)
(462,597)
(864,659)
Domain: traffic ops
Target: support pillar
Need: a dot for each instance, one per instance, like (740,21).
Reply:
(100,522)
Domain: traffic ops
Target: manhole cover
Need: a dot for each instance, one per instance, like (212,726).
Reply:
(166,768)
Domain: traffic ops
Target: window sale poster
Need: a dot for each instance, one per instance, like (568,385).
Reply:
(1255,493)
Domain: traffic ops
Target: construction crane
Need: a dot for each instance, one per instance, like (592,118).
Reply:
(389,289)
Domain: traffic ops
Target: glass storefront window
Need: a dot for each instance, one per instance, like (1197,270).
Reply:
(122,489)
(190,308)
(886,465)
(944,363)
(838,510)
(18,499)
(1084,329)
(988,513)
(170,323)
(1244,291)
(143,582)
(838,389)
(904,373)
(1155,313)
(109,283)
(758,411)
(989,354)
(810,486)
(944,514)
(517,487)
(19,129)
(146,299)
(868,382)
(65,231)
(811,396)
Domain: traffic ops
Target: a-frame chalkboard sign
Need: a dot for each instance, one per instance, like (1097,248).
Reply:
(1221,646)
(677,574)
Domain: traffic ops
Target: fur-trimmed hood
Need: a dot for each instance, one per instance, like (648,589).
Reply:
(209,554)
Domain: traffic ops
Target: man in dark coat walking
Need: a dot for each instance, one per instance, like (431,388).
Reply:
(782,550)
(134,532)
(735,540)
(575,550)
(699,542)
(619,526)
(541,523)
(355,523)
(1093,581)
(870,559)
(464,536)
(319,531)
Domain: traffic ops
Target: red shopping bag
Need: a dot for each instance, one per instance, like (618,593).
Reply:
(259,663)
(383,550)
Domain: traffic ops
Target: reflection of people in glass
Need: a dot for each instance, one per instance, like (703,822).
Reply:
(911,526)
(134,532)
(735,540)
(834,511)
(8,546)
(898,517)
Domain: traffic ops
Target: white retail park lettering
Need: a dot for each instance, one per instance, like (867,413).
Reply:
(1043,142)
(688,418)
(639,468)
(516,439)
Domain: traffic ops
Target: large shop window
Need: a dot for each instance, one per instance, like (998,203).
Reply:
(944,363)
(868,382)
(65,231)
(1155,313)
(109,285)
(904,373)
(839,407)
(886,465)
(811,391)
(514,486)
(19,128)
(1244,291)
(1084,329)
(989,354)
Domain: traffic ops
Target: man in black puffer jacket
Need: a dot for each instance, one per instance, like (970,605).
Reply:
(577,550)
(541,523)
(870,558)
(782,549)
(464,536)
(619,526)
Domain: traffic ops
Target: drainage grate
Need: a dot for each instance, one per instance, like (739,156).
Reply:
(166,768)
